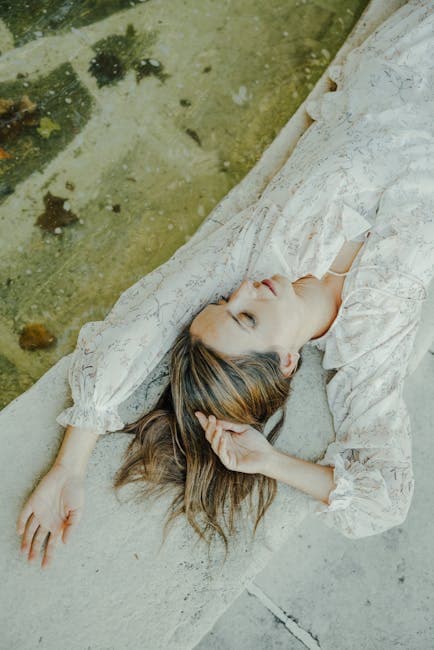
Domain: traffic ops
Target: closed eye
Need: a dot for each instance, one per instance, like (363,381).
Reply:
(244,313)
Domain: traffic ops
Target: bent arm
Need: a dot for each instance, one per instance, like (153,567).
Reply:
(372,453)
(114,356)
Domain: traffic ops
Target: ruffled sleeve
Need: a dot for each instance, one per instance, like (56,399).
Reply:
(371,455)
(113,356)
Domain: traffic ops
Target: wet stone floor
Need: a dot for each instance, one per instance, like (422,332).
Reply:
(122,124)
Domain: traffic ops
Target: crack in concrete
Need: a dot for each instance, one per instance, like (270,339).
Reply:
(305,637)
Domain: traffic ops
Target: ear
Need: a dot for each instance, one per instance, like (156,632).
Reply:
(289,365)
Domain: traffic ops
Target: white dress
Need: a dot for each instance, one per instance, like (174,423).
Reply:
(365,165)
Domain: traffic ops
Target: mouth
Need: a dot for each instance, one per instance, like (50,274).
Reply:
(270,285)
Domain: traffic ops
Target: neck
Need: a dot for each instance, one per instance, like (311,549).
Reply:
(319,302)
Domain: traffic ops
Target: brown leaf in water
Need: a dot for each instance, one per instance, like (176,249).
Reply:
(55,214)
(4,154)
(35,336)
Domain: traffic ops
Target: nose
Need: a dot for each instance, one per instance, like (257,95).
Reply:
(247,286)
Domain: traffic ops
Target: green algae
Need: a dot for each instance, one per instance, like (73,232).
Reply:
(118,53)
(59,97)
(230,98)
(28,21)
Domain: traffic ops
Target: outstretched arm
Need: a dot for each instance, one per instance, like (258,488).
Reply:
(76,449)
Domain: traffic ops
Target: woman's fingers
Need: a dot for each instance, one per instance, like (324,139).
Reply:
(38,540)
(230,426)
(31,526)
(234,426)
(210,429)
(215,433)
(53,540)
(24,515)
(220,438)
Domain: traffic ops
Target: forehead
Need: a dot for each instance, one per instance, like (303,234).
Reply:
(215,326)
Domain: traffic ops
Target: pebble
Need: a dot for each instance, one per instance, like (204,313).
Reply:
(58,231)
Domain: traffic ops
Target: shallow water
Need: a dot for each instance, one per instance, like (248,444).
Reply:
(122,124)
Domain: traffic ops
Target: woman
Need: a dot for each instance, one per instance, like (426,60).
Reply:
(364,167)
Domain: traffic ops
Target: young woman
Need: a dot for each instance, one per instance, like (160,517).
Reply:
(337,252)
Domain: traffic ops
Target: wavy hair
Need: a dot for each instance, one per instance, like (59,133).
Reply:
(169,451)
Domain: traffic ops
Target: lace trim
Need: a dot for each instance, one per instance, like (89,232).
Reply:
(88,416)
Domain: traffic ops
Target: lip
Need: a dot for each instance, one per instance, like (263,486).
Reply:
(270,285)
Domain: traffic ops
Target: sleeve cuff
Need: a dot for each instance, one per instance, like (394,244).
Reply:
(341,497)
(88,416)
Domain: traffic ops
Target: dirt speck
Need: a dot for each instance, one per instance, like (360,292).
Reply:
(192,133)
(148,67)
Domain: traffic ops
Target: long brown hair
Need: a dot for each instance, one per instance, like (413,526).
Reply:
(169,451)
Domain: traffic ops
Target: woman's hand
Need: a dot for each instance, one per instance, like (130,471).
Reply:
(239,447)
(54,508)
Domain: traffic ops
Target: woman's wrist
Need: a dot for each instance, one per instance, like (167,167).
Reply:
(311,478)
(76,449)
(270,462)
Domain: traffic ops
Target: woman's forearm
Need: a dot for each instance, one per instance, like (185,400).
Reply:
(76,449)
(315,480)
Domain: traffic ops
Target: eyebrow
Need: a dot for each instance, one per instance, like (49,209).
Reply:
(234,317)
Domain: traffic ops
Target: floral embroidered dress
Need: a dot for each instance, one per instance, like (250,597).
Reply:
(366,165)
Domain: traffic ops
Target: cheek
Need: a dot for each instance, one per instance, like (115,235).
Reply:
(274,319)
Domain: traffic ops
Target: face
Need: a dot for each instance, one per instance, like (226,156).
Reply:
(253,318)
